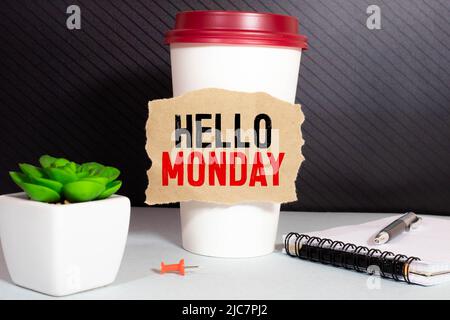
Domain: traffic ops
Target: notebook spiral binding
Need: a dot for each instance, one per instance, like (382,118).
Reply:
(349,256)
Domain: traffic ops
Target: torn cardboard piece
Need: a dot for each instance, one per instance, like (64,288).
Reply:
(223,146)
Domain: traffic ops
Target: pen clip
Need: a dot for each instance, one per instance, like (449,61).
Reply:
(411,220)
(415,224)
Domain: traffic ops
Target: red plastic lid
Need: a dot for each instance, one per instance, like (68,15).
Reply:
(237,27)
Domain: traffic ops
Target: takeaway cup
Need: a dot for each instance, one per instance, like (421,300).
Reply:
(241,51)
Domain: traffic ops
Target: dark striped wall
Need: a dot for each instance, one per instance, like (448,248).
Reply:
(377,102)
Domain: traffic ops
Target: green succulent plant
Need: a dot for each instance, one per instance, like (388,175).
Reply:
(60,180)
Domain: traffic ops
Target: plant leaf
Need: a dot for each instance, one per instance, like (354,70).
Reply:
(102,180)
(81,191)
(110,172)
(82,174)
(72,166)
(111,188)
(61,175)
(61,162)
(51,184)
(40,193)
(92,167)
(31,170)
(46,161)
(18,177)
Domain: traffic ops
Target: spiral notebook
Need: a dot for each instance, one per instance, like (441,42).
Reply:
(419,256)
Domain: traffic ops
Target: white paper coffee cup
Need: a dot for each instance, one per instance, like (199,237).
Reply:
(241,51)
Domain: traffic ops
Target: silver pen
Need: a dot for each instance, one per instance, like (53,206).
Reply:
(404,223)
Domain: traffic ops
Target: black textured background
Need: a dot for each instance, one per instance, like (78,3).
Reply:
(377,102)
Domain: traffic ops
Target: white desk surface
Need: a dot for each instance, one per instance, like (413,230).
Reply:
(155,236)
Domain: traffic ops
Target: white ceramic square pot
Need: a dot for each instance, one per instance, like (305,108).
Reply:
(63,249)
